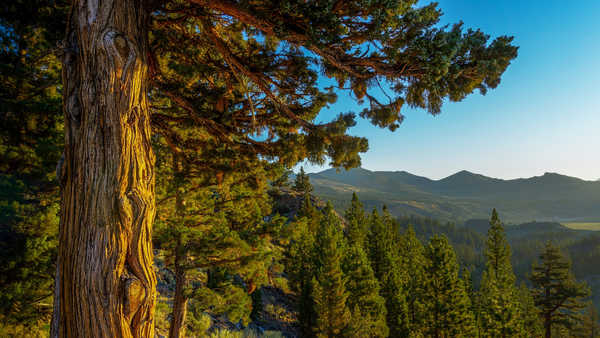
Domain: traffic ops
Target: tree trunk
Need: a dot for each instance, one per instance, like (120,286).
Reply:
(105,282)
(177,328)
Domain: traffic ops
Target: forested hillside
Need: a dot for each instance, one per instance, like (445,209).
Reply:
(465,195)
(145,155)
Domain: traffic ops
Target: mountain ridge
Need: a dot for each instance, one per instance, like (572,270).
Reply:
(464,194)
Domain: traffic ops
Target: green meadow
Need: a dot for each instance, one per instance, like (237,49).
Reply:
(593,226)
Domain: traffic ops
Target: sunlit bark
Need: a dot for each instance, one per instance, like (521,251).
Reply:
(105,284)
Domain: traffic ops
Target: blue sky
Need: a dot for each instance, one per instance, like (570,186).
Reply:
(544,116)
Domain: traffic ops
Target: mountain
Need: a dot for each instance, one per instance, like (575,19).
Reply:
(464,195)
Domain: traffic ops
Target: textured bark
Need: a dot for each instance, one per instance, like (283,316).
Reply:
(105,283)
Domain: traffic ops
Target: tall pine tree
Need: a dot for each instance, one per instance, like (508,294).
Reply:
(367,306)
(413,261)
(302,183)
(448,307)
(556,292)
(329,290)
(245,73)
(500,310)
(383,239)
(357,225)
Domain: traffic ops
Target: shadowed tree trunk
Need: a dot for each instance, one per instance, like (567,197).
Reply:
(105,283)
(177,328)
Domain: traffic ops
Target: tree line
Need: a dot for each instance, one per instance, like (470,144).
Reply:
(360,276)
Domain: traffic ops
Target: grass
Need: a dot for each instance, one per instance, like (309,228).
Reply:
(594,226)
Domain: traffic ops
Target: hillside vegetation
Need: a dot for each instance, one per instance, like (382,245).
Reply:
(465,195)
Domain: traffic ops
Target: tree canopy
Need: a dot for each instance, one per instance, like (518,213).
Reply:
(249,72)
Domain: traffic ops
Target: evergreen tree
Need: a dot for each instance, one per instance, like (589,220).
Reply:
(475,298)
(446,300)
(283,180)
(302,183)
(205,222)
(357,225)
(556,292)
(329,292)
(243,73)
(300,269)
(384,257)
(413,261)
(31,140)
(532,321)
(367,306)
(500,311)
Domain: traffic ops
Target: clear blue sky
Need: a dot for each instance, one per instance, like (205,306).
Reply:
(544,116)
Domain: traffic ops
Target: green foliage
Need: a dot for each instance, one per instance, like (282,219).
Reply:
(413,261)
(532,322)
(448,307)
(357,225)
(300,268)
(222,296)
(367,306)
(329,291)
(251,77)
(383,238)
(557,294)
(31,136)
(302,183)
(500,310)
(590,323)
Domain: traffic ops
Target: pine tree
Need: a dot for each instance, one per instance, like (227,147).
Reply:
(383,242)
(366,304)
(532,321)
(31,141)
(500,311)
(413,261)
(329,292)
(446,300)
(556,292)
(206,222)
(243,73)
(302,183)
(300,269)
(357,224)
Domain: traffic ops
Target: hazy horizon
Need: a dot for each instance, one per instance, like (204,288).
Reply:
(317,169)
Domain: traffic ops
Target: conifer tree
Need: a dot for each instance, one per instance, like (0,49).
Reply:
(283,180)
(368,312)
(532,321)
(383,242)
(300,269)
(206,222)
(302,183)
(244,73)
(31,141)
(557,294)
(329,291)
(446,300)
(413,261)
(500,311)
(357,225)
(475,298)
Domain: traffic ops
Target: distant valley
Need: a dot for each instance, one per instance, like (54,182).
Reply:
(465,195)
